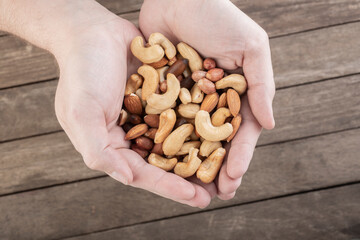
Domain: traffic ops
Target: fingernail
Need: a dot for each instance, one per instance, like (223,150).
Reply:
(117,176)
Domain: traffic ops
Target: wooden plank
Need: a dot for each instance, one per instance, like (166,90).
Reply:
(22,62)
(327,214)
(334,105)
(40,161)
(102,203)
(320,48)
(121,6)
(28,110)
(316,55)
(315,109)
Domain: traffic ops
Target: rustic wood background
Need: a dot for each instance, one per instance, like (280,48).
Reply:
(303,182)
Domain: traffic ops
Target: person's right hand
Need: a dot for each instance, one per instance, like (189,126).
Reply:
(219,30)
(94,66)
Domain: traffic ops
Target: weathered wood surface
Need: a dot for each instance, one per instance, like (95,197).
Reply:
(302,111)
(322,215)
(322,45)
(102,203)
(40,161)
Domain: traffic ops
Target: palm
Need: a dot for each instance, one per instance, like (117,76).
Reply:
(88,103)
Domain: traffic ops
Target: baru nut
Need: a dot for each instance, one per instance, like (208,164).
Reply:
(180,109)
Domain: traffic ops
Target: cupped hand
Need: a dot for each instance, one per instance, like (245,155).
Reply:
(219,30)
(94,67)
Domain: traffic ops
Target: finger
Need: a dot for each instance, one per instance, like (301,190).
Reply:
(259,74)
(165,184)
(201,199)
(243,144)
(226,197)
(225,184)
(209,187)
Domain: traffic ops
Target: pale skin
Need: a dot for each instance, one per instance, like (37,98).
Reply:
(91,46)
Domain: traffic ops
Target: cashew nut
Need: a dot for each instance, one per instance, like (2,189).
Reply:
(187,169)
(195,61)
(146,54)
(208,131)
(151,80)
(166,124)
(196,94)
(187,146)
(219,116)
(161,72)
(158,38)
(210,167)
(164,101)
(176,139)
(236,81)
(161,162)
(133,83)
(151,110)
(193,137)
(185,96)
(188,110)
(138,92)
(207,147)
(185,159)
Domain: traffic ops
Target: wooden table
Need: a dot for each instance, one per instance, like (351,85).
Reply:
(304,179)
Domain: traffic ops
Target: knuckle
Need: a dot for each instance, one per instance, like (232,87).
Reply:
(259,41)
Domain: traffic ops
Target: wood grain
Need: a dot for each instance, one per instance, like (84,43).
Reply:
(39,162)
(334,105)
(102,203)
(323,215)
(296,50)
(315,109)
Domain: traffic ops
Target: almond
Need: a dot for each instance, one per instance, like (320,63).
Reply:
(235,122)
(210,102)
(209,63)
(160,63)
(133,103)
(127,126)
(233,101)
(144,143)
(152,120)
(206,86)
(135,119)
(178,67)
(151,133)
(142,152)
(215,74)
(157,149)
(197,75)
(222,101)
(136,131)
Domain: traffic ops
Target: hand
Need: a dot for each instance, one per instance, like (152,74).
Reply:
(219,30)
(93,72)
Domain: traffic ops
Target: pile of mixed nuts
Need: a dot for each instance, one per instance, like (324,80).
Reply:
(180,109)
